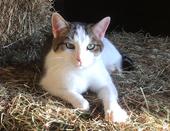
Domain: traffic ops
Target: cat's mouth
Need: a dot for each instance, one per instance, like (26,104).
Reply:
(79,64)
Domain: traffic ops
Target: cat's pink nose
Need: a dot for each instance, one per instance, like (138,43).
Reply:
(79,61)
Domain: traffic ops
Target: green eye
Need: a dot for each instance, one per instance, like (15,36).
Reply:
(91,46)
(70,46)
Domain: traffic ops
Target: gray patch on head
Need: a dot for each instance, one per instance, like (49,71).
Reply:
(67,35)
(73,29)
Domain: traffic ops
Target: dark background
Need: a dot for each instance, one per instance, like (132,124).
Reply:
(131,16)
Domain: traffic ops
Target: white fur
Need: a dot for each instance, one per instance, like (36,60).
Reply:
(63,78)
(81,40)
(111,56)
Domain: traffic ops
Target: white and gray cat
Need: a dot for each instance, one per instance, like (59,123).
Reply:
(81,58)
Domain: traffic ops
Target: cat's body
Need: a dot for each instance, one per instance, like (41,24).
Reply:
(82,58)
(111,57)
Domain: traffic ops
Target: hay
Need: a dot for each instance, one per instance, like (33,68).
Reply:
(144,93)
(24,27)
(20,19)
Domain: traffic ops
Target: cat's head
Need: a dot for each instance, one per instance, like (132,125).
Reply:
(83,43)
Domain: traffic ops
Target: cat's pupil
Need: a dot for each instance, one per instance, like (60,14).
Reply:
(70,46)
(91,46)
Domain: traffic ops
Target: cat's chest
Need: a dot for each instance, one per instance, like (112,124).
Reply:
(82,76)
(94,74)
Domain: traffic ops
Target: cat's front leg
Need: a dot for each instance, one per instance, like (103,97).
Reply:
(113,111)
(76,99)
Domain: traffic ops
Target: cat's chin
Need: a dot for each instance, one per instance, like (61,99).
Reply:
(81,66)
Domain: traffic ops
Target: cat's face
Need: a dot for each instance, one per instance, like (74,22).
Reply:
(81,44)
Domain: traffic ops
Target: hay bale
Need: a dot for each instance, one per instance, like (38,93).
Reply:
(24,27)
(20,19)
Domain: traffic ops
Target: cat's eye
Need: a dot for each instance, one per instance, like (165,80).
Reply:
(91,46)
(70,46)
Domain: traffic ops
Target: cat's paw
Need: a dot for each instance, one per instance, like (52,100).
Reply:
(116,115)
(82,105)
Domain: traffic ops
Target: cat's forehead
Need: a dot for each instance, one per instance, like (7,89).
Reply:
(80,33)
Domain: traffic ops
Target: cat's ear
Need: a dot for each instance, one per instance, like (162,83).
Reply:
(100,28)
(58,23)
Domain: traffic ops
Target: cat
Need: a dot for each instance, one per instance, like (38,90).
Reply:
(82,58)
